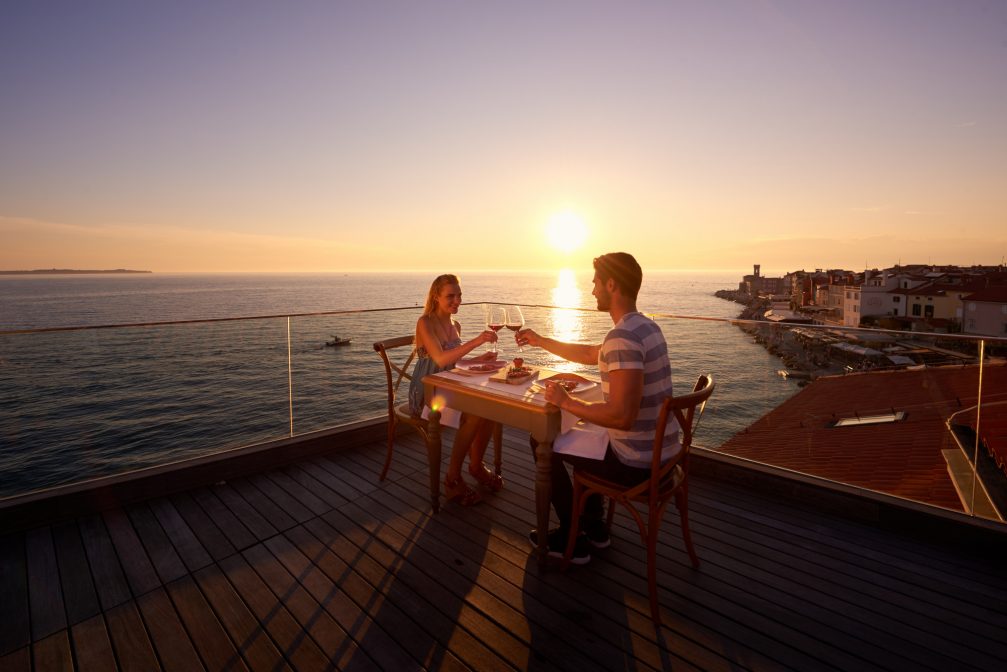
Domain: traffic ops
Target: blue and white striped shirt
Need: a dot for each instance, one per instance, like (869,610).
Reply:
(636,342)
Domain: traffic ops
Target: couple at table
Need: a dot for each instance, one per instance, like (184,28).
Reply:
(635,378)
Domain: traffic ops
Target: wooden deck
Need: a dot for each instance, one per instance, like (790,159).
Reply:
(318,566)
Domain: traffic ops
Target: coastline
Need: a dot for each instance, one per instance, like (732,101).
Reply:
(802,363)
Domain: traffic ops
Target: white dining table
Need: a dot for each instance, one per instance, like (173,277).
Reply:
(514,405)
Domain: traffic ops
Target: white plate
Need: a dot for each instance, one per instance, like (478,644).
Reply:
(466,369)
(582,386)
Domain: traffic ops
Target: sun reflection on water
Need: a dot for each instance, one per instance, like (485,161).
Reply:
(567,325)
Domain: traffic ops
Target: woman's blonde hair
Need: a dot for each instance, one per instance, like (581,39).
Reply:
(435,291)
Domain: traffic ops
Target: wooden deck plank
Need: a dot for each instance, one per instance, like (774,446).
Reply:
(109,580)
(170,640)
(333,640)
(563,619)
(898,570)
(269,486)
(384,649)
(135,564)
(239,509)
(444,591)
(45,595)
(235,533)
(92,647)
(486,592)
(181,536)
(293,641)
(768,625)
(300,493)
(374,588)
(79,593)
(820,597)
(266,507)
(133,650)
(882,589)
(15,623)
(52,654)
(215,648)
(252,641)
(612,596)
(781,586)
(18,660)
(163,557)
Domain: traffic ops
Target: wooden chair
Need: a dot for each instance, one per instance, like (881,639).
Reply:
(395,373)
(667,481)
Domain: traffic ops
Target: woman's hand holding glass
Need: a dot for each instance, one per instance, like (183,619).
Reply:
(496,318)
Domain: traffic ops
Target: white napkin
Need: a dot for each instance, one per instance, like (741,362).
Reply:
(585,440)
(449,417)
(567,421)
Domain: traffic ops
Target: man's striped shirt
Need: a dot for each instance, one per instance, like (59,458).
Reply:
(636,342)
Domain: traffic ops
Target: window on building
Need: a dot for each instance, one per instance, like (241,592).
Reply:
(896,299)
(928,311)
(972,307)
(870,419)
(972,323)
(916,309)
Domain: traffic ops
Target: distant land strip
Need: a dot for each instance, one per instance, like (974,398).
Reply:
(68,271)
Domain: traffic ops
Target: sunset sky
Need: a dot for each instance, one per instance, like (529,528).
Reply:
(429,135)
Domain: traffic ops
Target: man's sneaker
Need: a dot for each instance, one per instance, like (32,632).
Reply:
(557,546)
(596,532)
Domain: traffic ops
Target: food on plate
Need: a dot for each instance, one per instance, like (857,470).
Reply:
(518,370)
(483,367)
(568,381)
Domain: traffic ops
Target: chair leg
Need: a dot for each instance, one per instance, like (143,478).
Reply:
(391,446)
(611,514)
(497,447)
(579,500)
(682,502)
(654,528)
(433,437)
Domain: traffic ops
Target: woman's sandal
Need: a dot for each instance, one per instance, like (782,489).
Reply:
(486,478)
(459,491)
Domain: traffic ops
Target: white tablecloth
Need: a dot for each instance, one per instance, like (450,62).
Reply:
(576,437)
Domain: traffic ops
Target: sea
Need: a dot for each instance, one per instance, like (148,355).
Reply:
(82,403)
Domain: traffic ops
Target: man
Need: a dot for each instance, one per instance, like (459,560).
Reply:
(635,378)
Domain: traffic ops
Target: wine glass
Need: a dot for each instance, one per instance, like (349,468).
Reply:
(515,321)
(496,317)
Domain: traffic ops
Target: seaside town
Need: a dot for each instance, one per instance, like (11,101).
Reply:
(917,299)
(909,384)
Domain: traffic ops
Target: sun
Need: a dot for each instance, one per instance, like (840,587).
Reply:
(566,231)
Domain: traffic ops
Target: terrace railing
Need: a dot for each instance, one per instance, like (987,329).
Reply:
(912,415)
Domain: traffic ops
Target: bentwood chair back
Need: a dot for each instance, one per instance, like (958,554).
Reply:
(667,482)
(398,354)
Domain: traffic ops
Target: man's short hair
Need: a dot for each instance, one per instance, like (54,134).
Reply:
(623,269)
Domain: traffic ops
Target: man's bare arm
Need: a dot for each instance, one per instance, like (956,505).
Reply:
(625,390)
(582,353)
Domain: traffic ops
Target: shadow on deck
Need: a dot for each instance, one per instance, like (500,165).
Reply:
(316,565)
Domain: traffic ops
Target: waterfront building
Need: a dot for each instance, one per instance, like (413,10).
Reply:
(985,312)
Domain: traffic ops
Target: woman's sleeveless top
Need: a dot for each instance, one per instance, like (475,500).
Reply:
(425,365)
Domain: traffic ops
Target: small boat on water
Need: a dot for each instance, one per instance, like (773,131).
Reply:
(337,341)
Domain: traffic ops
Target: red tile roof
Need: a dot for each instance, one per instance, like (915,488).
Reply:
(995,294)
(902,458)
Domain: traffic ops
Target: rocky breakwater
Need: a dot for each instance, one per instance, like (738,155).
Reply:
(803,362)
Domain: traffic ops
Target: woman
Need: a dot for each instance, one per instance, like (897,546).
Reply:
(438,347)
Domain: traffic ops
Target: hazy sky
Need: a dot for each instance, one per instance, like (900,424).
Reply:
(282,136)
